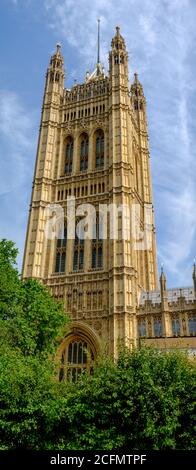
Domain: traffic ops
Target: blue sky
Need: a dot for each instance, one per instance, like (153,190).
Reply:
(160,37)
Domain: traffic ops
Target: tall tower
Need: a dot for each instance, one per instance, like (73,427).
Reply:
(93,146)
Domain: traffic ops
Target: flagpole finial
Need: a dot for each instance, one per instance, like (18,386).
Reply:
(98,41)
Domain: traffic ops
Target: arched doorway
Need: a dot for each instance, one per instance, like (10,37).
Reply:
(77,354)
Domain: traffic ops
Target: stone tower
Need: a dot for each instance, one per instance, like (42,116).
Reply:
(93,147)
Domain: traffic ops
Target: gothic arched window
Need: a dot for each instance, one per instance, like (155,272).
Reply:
(99,149)
(61,251)
(84,152)
(77,358)
(68,156)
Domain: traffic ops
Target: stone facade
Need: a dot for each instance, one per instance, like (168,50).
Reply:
(93,146)
(166,318)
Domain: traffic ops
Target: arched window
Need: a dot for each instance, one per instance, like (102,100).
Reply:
(77,358)
(61,251)
(99,149)
(68,156)
(84,152)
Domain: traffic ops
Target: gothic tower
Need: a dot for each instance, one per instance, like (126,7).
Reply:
(93,148)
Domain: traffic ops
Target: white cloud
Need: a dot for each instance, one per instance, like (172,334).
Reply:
(17,157)
(16,128)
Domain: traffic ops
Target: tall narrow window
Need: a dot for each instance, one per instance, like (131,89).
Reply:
(136,173)
(97,247)
(78,260)
(136,105)
(61,252)
(157,327)
(77,358)
(192,326)
(84,153)
(68,156)
(142,328)
(99,149)
(175,327)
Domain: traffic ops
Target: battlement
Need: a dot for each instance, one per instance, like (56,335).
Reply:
(172,295)
(86,91)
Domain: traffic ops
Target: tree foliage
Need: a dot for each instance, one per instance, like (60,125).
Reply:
(32,323)
(30,318)
(144,400)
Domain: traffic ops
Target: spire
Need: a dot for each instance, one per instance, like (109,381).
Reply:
(137,86)
(118,42)
(98,47)
(118,31)
(99,72)
(57,58)
(55,71)
(136,81)
(98,41)
(58,48)
(162,280)
(138,98)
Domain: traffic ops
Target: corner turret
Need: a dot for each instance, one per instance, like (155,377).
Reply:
(55,72)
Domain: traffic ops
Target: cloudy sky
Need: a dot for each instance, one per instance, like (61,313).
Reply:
(160,37)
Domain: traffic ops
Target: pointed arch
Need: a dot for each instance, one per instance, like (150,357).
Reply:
(78,352)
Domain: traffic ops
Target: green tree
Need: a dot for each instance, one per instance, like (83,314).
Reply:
(32,323)
(30,318)
(143,401)
(9,279)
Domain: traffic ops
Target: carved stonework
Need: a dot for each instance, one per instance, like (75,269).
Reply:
(100,282)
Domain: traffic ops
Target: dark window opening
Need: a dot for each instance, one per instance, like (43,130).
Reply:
(69,156)
(61,251)
(76,359)
(99,150)
(84,153)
